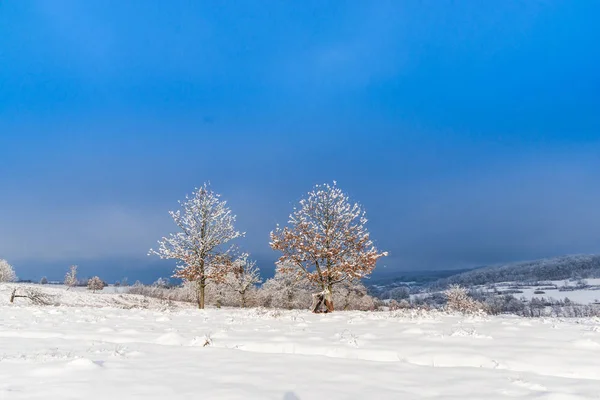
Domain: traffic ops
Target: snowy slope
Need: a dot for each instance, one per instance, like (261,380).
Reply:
(182,353)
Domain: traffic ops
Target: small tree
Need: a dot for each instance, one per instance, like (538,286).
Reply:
(95,284)
(124,282)
(326,241)
(71,277)
(7,272)
(44,281)
(243,279)
(162,283)
(206,225)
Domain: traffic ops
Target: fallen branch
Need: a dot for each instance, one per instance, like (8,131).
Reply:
(35,296)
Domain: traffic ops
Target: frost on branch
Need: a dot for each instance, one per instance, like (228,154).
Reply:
(206,225)
(326,241)
(287,290)
(71,277)
(7,272)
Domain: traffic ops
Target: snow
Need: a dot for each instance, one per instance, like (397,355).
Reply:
(107,345)
(581,296)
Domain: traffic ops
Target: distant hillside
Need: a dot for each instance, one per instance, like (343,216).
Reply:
(392,286)
(558,268)
(416,277)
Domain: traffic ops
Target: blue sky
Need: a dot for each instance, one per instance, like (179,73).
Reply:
(469,130)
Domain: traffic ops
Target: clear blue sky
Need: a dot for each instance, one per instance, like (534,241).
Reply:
(469,130)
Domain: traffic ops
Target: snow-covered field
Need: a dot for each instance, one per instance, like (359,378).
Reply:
(581,296)
(84,351)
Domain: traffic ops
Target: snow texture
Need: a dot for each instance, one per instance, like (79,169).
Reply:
(107,345)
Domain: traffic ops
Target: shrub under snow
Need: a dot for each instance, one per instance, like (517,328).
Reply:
(353,296)
(459,300)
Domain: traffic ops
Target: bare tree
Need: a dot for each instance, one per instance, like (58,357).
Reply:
(243,279)
(95,284)
(7,272)
(71,277)
(207,225)
(327,242)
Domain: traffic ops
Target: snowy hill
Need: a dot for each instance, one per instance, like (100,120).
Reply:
(84,350)
(548,269)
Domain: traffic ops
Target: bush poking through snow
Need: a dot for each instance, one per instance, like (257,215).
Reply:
(459,300)
(95,284)
(7,272)
(399,305)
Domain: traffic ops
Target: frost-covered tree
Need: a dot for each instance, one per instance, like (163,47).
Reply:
(71,277)
(326,241)
(206,227)
(95,284)
(242,279)
(286,290)
(44,281)
(7,272)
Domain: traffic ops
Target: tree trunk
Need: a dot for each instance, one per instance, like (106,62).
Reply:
(290,298)
(317,303)
(201,285)
(323,299)
(329,298)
